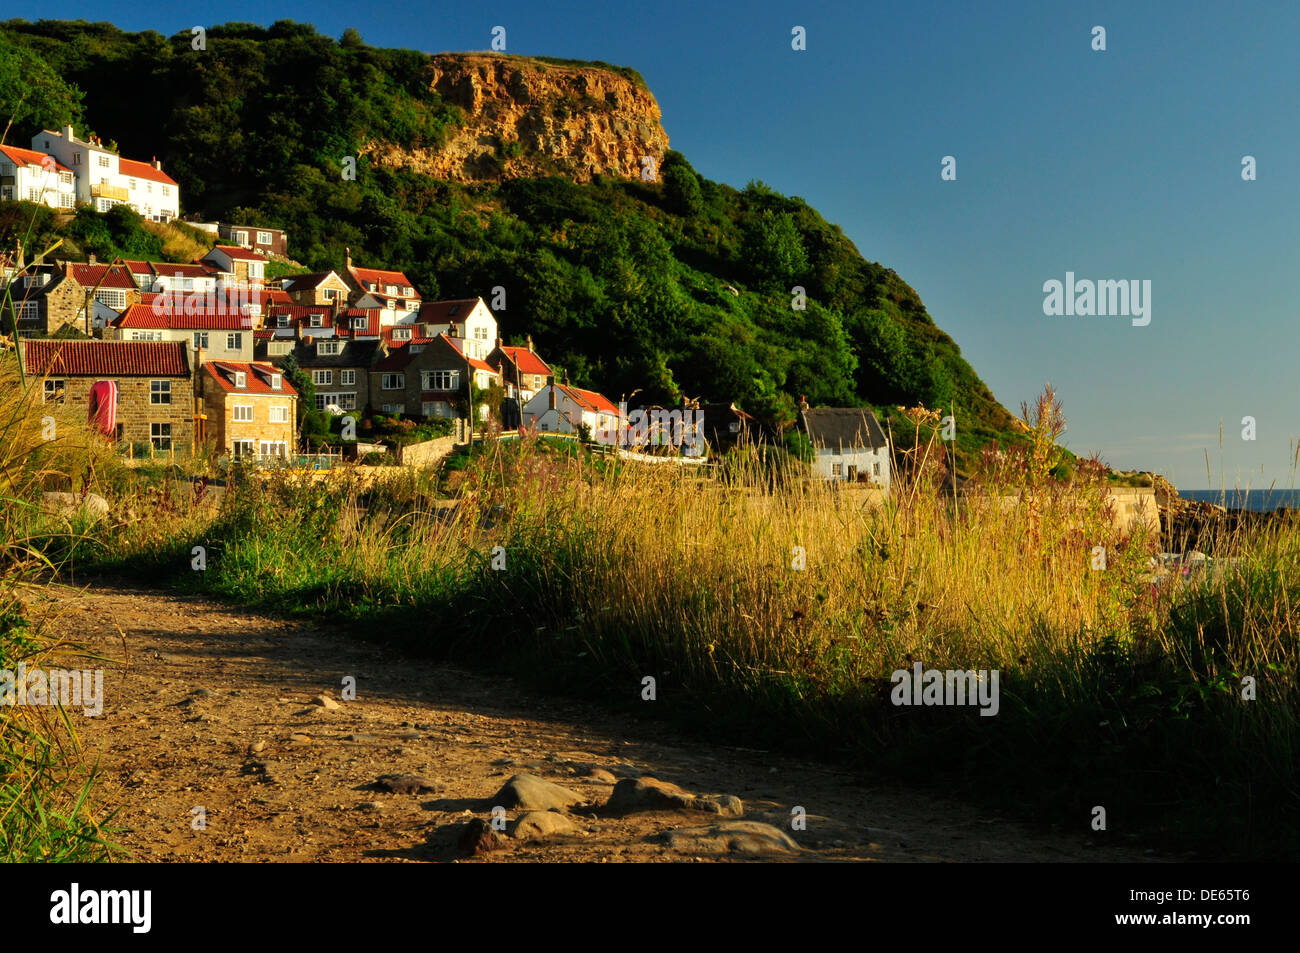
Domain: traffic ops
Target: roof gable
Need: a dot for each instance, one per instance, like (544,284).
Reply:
(837,427)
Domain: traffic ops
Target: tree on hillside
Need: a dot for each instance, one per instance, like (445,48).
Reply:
(32,95)
(773,250)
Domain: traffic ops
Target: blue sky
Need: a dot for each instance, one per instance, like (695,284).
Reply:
(1122,164)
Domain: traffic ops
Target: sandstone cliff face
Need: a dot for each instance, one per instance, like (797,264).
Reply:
(528,118)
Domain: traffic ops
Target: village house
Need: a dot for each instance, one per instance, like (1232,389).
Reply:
(849,443)
(29,176)
(45,302)
(248,409)
(260,238)
(104,179)
(339,368)
(390,291)
(465,318)
(523,373)
(143,392)
(318,288)
(561,408)
(235,266)
(219,333)
(108,290)
(428,383)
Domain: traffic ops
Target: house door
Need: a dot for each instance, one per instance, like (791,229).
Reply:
(853,474)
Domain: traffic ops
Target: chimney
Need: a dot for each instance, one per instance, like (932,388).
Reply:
(500,343)
(91,258)
(530,342)
(156,164)
(347,252)
(67,133)
(550,383)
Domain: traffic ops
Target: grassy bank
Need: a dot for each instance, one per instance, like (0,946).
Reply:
(1113,693)
(45,814)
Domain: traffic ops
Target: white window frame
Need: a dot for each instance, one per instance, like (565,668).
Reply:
(278,414)
(322,377)
(235,341)
(241,413)
(348,378)
(393,382)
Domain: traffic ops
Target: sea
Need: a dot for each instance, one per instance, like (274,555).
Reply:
(1260,501)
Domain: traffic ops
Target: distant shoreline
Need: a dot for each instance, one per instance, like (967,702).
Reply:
(1254,501)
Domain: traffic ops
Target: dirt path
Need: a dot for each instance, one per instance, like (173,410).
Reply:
(211,707)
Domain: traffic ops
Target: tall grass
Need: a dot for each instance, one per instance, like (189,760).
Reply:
(45,811)
(1114,691)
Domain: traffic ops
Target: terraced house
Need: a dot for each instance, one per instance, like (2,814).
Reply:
(210,333)
(432,382)
(249,409)
(104,179)
(139,393)
(30,176)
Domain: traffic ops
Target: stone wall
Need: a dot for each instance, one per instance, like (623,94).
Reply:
(425,454)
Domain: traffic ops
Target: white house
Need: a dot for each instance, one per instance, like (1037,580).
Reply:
(105,179)
(560,408)
(850,444)
(468,319)
(28,176)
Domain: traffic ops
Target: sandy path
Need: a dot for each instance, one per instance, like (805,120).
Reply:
(210,707)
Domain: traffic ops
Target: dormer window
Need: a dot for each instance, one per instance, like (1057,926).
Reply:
(359,324)
(241,379)
(327,347)
(317,320)
(275,382)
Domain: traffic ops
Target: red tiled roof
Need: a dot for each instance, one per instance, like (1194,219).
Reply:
(447,312)
(371,315)
(272,298)
(157,314)
(417,335)
(138,267)
(589,399)
(255,377)
(368,276)
(143,170)
(459,345)
(107,358)
(526,360)
(31,157)
(113,276)
(234,252)
(168,269)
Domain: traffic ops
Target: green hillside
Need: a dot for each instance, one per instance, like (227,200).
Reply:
(679,288)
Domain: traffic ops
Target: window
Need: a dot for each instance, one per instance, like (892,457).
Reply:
(160,435)
(347,378)
(345,401)
(131,184)
(417,348)
(837,469)
(264,238)
(235,342)
(103,162)
(330,294)
(65,200)
(166,190)
(401,334)
(875,468)
(242,413)
(76,159)
(54,391)
(29,311)
(241,448)
(254,310)
(322,377)
(317,320)
(412,305)
(271,448)
(392,291)
(279,348)
(327,347)
(440,380)
(360,324)
(241,238)
(148,187)
(146,336)
(114,298)
(393,408)
(160,392)
(241,379)
(481,332)
(436,408)
(394,382)
(276,382)
(279,415)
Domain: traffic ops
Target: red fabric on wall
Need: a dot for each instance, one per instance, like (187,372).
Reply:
(102,407)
